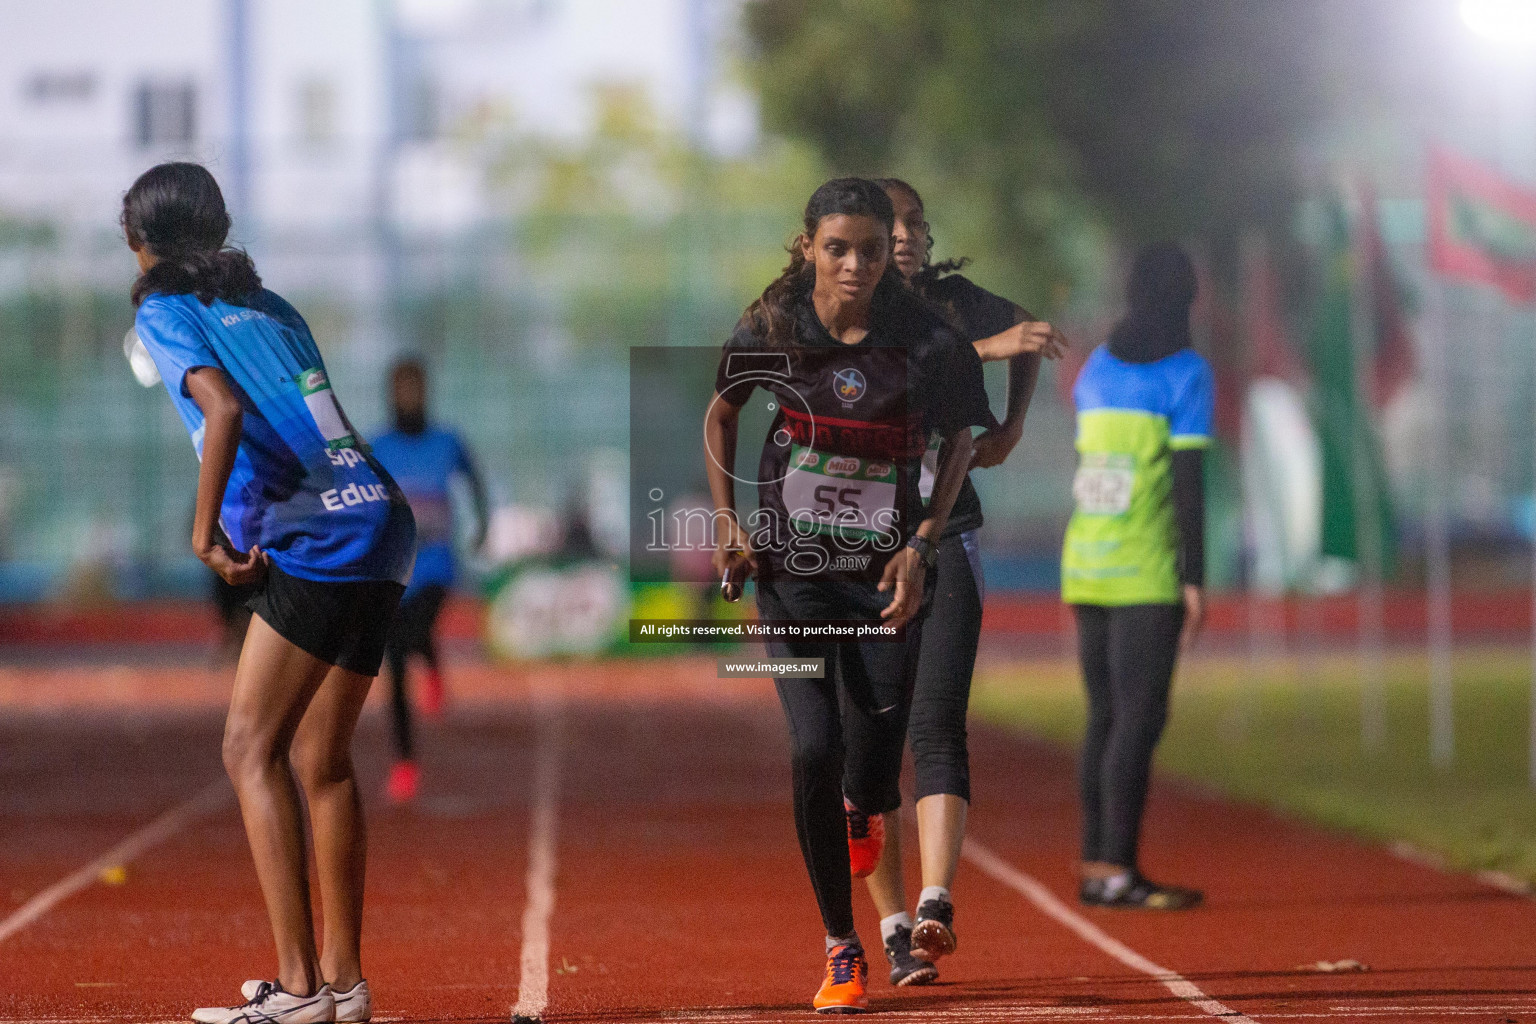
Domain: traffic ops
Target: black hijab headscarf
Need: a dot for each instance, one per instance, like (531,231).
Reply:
(1160,294)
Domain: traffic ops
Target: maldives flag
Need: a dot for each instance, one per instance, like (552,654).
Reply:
(1482,227)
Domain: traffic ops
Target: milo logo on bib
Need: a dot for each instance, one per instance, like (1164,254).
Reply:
(321,401)
(843,495)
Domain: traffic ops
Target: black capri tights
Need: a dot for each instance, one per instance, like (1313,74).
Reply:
(1128,654)
(951,633)
(846,730)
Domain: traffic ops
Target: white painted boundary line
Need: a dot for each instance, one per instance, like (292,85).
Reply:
(206,800)
(1051,907)
(986,1013)
(533,983)
(1497,879)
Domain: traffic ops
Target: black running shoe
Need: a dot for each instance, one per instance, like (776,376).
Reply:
(907,969)
(1137,894)
(933,935)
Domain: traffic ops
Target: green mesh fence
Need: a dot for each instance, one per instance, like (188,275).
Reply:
(525,329)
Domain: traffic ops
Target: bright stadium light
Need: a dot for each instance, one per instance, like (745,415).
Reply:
(1510,23)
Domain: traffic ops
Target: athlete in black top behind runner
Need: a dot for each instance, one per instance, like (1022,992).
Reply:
(860,372)
(998,330)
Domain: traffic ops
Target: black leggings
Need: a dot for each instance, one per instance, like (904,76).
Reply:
(845,730)
(410,634)
(951,633)
(1128,654)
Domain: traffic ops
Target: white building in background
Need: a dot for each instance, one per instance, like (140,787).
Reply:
(348,100)
(94,91)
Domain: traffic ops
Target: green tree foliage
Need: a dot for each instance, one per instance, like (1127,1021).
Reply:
(683,240)
(937,94)
(1035,121)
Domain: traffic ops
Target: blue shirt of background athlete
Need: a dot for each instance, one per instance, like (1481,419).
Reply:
(424,465)
(1179,387)
(321,514)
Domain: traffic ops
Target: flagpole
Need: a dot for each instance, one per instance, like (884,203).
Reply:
(1437,534)
(1515,162)
(1517,144)
(1368,540)
(1462,250)
(1261,646)
(1531,729)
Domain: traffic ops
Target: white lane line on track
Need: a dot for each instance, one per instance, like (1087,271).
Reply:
(986,1013)
(533,982)
(206,800)
(1001,1013)
(981,1013)
(1435,862)
(1047,903)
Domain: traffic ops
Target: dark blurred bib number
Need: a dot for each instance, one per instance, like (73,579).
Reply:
(1103,484)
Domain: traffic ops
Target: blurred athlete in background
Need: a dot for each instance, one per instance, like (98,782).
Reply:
(1133,564)
(424,458)
(998,330)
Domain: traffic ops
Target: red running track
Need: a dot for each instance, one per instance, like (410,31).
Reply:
(678,893)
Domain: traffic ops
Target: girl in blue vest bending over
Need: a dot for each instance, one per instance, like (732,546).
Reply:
(315,523)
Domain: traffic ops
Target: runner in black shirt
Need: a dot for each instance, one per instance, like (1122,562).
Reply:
(997,329)
(860,373)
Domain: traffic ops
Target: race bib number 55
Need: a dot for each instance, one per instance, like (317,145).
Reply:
(840,494)
(1102,486)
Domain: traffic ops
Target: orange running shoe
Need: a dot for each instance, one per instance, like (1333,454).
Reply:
(843,989)
(404,781)
(866,838)
(433,696)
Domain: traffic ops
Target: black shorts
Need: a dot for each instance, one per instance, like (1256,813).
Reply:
(415,619)
(342,624)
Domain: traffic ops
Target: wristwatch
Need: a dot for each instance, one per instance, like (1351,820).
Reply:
(925,550)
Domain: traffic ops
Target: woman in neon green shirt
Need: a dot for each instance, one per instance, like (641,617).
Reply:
(1133,560)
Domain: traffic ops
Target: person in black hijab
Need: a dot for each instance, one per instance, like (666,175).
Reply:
(1160,294)
(1133,563)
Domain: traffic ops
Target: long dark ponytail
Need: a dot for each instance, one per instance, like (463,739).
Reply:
(772,315)
(177,213)
(930,271)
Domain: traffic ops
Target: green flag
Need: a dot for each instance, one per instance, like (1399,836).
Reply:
(1357,512)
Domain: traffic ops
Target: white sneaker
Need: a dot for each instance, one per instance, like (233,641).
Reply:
(267,1003)
(354,1006)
